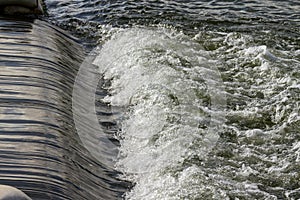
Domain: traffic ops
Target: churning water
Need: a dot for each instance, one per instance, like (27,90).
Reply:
(201,98)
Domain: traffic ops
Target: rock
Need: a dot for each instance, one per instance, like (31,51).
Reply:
(13,10)
(17,7)
(11,193)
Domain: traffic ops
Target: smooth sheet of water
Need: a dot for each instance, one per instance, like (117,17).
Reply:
(40,151)
(203,97)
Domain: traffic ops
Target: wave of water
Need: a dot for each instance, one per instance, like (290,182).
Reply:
(206,117)
(206,96)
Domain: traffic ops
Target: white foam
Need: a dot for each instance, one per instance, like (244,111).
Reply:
(172,93)
(170,88)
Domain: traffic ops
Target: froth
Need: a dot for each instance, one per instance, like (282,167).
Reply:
(170,88)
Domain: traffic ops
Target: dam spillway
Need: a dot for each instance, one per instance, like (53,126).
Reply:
(40,152)
(206,96)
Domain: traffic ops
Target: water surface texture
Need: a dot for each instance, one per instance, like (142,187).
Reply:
(202,98)
(210,93)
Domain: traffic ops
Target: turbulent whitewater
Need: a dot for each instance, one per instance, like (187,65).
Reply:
(201,123)
(198,99)
(170,87)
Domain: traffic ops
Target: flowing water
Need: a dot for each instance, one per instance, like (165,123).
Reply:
(40,151)
(201,99)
